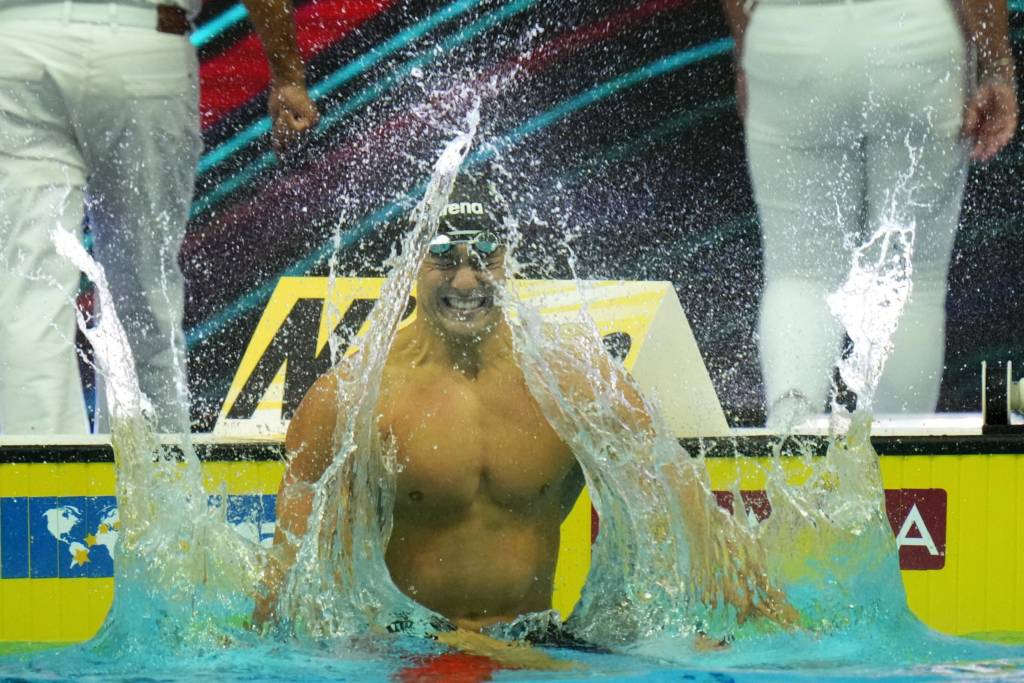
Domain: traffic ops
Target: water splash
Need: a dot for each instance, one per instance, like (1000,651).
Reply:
(869,305)
(181,571)
(667,566)
(184,576)
(339,585)
(668,563)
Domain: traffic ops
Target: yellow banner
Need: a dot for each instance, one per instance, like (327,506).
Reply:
(49,512)
(642,322)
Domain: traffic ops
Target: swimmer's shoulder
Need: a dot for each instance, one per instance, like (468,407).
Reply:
(322,397)
(587,377)
(404,361)
(309,443)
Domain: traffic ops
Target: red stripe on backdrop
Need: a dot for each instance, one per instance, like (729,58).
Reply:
(235,76)
(249,214)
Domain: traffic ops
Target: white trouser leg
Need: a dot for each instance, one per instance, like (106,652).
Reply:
(807,171)
(804,259)
(41,180)
(140,194)
(917,167)
(836,94)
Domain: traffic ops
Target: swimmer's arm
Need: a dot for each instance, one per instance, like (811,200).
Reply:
(715,541)
(511,655)
(597,377)
(630,409)
(309,447)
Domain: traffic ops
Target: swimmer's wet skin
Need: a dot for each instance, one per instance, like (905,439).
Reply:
(484,481)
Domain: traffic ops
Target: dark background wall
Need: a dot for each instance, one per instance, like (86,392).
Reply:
(616,124)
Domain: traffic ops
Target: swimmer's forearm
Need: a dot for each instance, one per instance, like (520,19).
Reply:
(265,611)
(294,502)
(273,21)
(511,655)
(986,24)
(278,563)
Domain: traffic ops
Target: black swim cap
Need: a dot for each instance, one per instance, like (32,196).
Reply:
(474,205)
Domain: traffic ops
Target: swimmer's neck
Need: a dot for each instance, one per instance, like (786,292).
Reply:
(468,356)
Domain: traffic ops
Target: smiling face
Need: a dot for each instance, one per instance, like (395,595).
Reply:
(455,292)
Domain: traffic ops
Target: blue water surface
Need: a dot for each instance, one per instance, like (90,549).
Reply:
(787,657)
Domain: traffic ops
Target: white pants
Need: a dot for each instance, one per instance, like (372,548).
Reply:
(103,116)
(854,116)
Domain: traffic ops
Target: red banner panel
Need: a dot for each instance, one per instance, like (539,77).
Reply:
(918,520)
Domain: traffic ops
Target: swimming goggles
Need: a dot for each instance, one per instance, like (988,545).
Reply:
(483,243)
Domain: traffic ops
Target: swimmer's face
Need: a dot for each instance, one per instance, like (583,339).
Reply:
(456,291)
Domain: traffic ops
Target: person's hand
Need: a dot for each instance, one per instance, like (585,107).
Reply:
(292,113)
(991,118)
(509,655)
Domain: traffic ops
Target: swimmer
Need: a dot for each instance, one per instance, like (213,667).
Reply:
(484,481)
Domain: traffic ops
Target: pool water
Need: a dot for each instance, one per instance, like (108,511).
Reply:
(406,660)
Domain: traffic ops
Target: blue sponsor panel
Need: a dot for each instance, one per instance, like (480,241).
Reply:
(71,537)
(100,520)
(13,538)
(251,515)
(45,516)
(255,512)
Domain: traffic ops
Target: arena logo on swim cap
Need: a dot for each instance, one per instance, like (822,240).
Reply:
(460,208)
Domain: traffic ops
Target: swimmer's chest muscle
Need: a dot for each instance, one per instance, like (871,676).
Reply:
(462,440)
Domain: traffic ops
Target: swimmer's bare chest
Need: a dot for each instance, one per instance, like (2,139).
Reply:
(481,494)
(465,441)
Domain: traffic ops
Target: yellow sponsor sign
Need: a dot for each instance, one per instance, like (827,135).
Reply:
(641,321)
(978,589)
